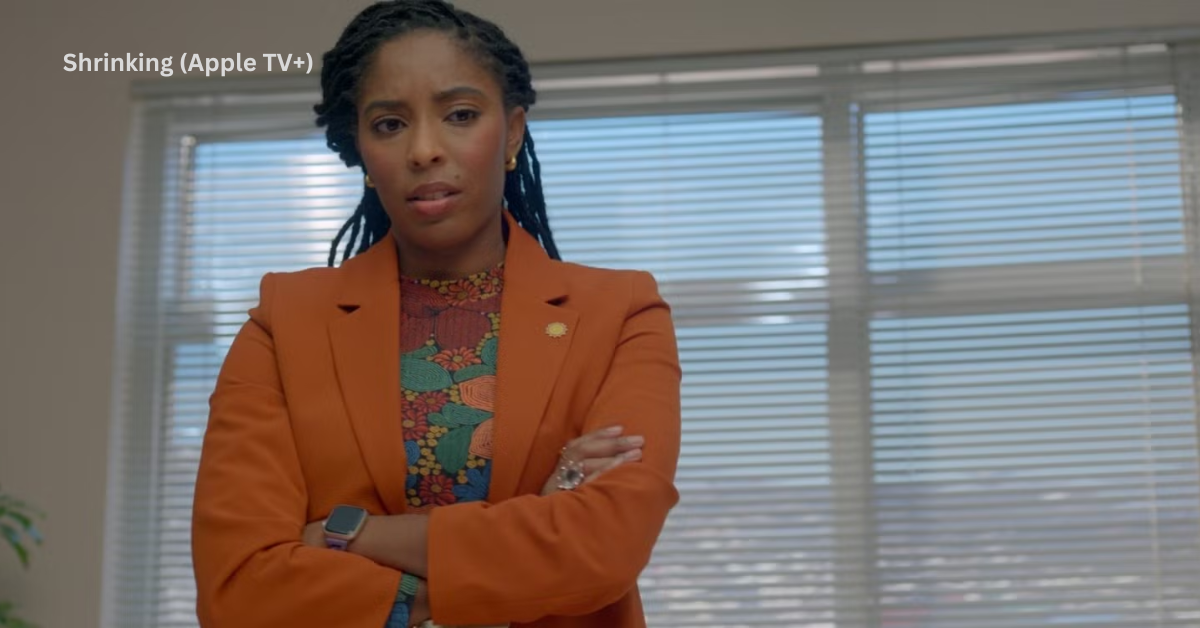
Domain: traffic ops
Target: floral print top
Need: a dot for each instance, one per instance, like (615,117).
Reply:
(449,339)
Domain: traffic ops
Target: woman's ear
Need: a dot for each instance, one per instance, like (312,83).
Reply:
(516,132)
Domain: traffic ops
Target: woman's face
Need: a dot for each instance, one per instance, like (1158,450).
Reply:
(434,136)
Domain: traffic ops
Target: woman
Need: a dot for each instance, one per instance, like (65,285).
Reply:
(404,437)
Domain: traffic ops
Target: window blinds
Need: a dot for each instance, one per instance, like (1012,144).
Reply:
(934,308)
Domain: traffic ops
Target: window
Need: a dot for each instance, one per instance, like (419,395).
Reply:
(934,305)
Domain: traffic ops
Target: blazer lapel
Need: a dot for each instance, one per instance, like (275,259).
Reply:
(366,351)
(531,353)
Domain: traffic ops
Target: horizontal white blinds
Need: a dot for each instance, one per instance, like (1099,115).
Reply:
(1034,428)
(1037,469)
(1080,179)
(934,312)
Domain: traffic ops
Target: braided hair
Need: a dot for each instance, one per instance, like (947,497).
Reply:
(341,74)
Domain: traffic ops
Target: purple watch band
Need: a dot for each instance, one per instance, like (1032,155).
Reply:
(336,543)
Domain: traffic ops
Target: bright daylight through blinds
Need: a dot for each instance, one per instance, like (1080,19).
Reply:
(934,311)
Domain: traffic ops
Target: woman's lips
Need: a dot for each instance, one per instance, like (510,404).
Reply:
(434,205)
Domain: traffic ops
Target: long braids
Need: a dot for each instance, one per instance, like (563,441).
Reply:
(341,74)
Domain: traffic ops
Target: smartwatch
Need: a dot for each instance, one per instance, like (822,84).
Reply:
(343,525)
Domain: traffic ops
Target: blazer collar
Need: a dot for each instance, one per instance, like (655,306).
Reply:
(366,350)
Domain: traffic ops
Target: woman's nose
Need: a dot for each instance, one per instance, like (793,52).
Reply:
(425,149)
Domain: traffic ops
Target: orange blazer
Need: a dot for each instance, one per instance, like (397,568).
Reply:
(306,415)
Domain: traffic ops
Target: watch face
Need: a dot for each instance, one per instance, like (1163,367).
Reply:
(344,520)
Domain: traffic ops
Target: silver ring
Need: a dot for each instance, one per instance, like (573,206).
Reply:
(570,472)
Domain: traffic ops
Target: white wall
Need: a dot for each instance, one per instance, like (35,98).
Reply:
(60,185)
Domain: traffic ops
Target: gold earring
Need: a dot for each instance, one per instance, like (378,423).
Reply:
(511,164)
(368,181)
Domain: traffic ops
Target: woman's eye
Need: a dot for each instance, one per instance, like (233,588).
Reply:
(389,125)
(464,115)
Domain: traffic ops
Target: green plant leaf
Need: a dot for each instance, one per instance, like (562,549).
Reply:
(25,521)
(14,541)
(453,449)
(25,525)
(459,414)
(9,620)
(437,418)
(8,503)
(473,371)
(423,376)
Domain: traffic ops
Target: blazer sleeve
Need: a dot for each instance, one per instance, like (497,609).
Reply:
(251,566)
(576,552)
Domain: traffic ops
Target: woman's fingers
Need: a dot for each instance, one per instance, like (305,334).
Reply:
(604,449)
(588,440)
(601,445)
(592,466)
(598,452)
(598,467)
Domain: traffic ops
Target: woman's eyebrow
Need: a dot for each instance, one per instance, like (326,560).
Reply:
(442,96)
(458,92)
(383,104)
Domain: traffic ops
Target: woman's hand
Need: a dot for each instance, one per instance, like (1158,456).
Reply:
(314,534)
(598,452)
